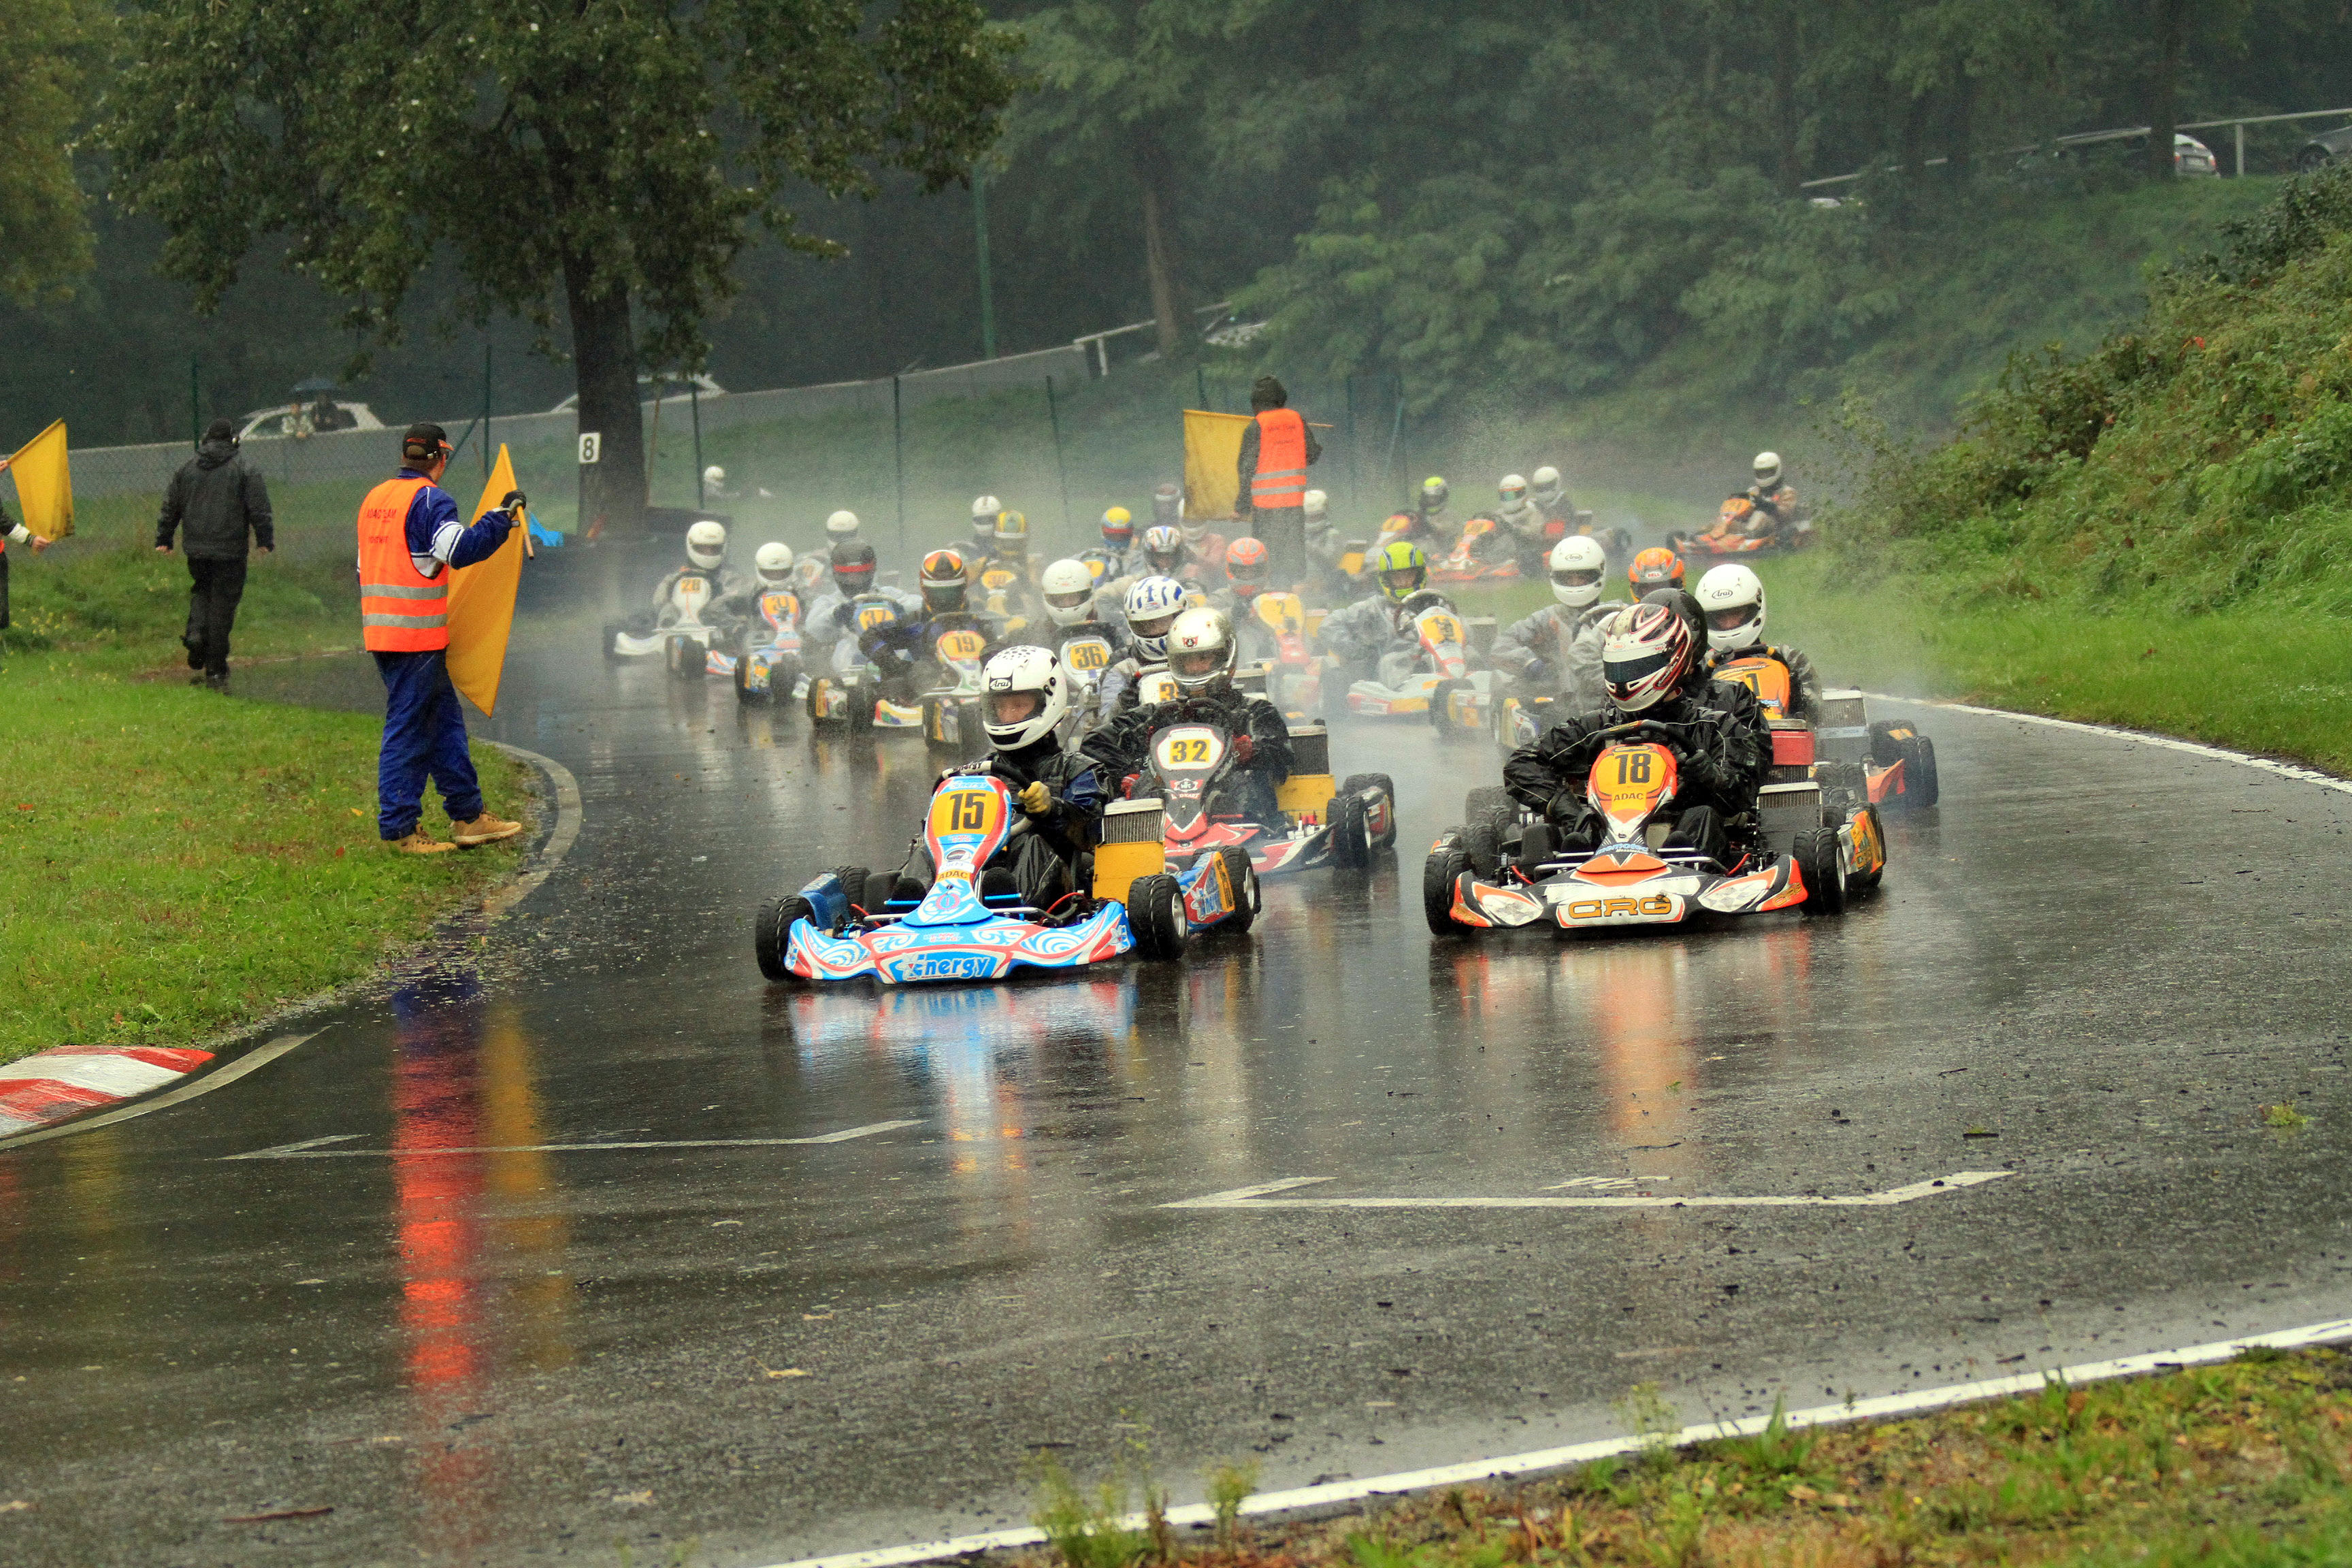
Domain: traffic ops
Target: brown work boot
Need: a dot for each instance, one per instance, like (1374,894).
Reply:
(417,843)
(483,829)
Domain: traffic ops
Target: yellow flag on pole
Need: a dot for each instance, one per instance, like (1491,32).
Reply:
(1213,454)
(482,603)
(44,483)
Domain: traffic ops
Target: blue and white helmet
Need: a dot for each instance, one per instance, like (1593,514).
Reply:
(1152,604)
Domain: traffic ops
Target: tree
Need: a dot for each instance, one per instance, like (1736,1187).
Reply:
(45,238)
(615,156)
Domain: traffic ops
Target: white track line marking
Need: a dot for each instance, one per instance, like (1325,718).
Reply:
(307,1149)
(568,816)
(2294,771)
(1255,1198)
(1338,1494)
(259,1056)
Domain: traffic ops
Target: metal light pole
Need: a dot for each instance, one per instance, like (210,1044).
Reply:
(485,411)
(694,402)
(987,293)
(899,457)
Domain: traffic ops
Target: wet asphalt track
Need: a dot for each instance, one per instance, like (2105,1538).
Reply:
(2106,954)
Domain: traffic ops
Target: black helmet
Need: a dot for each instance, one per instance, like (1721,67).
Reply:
(853,565)
(943,582)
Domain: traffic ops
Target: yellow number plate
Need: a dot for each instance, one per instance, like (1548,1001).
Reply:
(1086,653)
(1187,747)
(874,615)
(965,811)
(1441,628)
(964,645)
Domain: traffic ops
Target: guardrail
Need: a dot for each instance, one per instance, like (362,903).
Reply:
(2087,138)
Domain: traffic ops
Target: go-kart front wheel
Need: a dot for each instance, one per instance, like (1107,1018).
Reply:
(1357,783)
(1245,884)
(1351,849)
(1923,790)
(773,932)
(1439,874)
(743,692)
(1822,864)
(1155,913)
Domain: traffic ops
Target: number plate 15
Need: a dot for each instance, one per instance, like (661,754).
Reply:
(965,811)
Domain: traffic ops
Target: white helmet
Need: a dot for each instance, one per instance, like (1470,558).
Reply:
(1578,565)
(1153,602)
(1732,599)
(706,544)
(1201,650)
(1317,503)
(983,518)
(1069,590)
(1022,671)
(775,563)
(1547,478)
(841,524)
(714,476)
(1768,468)
(1513,489)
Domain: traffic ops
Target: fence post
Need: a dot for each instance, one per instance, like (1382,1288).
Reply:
(2240,129)
(485,410)
(1396,439)
(1348,391)
(195,406)
(1053,416)
(899,457)
(693,403)
(987,295)
(1200,387)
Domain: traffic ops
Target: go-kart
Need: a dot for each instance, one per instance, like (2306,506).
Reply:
(770,657)
(948,711)
(1616,542)
(1857,765)
(1499,874)
(1286,670)
(685,631)
(848,923)
(1318,824)
(1734,536)
(1484,553)
(1437,681)
(851,693)
(1088,654)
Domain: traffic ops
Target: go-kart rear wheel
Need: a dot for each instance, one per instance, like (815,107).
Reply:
(860,712)
(1862,882)
(1155,913)
(1439,873)
(1243,882)
(853,884)
(772,931)
(1358,783)
(1920,786)
(819,686)
(1823,868)
(689,659)
(613,630)
(1350,850)
(881,887)
(1483,843)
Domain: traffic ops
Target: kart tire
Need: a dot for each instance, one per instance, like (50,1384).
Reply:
(773,929)
(1155,913)
(853,884)
(613,630)
(879,887)
(687,665)
(1920,786)
(1245,888)
(1438,874)
(1865,882)
(1358,783)
(1349,850)
(1886,747)
(743,692)
(860,716)
(1823,870)
(1489,803)
(1482,844)
(818,686)
(1441,700)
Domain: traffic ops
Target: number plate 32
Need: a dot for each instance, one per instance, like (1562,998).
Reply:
(1187,748)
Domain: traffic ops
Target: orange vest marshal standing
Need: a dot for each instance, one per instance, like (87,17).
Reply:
(409,540)
(1277,450)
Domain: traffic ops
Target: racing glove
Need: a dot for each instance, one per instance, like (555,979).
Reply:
(1035,799)
(1701,768)
(1565,807)
(1534,670)
(512,499)
(1244,748)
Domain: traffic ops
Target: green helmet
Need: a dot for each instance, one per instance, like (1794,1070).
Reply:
(1397,558)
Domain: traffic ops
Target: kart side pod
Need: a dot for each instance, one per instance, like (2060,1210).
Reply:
(1130,848)
(1308,790)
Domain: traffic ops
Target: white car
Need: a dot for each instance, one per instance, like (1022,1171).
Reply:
(302,420)
(674,389)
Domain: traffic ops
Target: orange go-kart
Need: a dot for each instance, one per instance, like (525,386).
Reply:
(1484,553)
(1860,765)
(1736,535)
(1481,879)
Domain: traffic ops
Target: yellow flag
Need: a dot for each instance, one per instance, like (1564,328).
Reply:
(1213,454)
(482,603)
(45,484)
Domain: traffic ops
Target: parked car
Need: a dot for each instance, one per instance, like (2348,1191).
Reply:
(673,389)
(2324,148)
(301,420)
(2190,158)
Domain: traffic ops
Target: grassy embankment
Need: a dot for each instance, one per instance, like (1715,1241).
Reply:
(2241,1464)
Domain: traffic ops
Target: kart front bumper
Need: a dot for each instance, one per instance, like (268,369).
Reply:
(1572,903)
(903,954)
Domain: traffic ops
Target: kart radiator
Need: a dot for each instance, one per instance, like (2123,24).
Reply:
(1131,822)
(1311,749)
(1844,733)
(1785,810)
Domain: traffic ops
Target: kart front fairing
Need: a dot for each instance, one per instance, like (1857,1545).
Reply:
(952,934)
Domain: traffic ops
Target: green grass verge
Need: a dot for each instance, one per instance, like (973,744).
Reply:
(2244,1463)
(174,864)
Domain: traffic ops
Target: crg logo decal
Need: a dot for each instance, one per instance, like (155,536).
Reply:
(1606,909)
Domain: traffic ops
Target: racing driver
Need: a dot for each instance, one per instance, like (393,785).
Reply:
(1200,653)
(1731,597)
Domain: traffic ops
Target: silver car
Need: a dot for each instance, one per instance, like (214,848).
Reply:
(2324,149)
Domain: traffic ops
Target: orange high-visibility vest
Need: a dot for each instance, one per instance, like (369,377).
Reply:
(400,609)
(1281,477)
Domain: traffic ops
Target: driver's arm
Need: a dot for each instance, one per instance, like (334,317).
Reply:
(1269,734)
(1072,823)
(1552,762)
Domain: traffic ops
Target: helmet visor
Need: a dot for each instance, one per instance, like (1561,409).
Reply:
(1013,707)
(1157,627)
(1577,577)
(1402,582)
(1634,668)
(1730,619)
(943,595)
(1196,663)
(1069,601)
(854,578)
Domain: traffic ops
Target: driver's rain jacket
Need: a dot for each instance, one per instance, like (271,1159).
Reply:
(1072,823)
(1124,744)
(1569,642)
(1725,752)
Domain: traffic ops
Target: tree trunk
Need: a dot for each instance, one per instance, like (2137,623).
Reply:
(1161,265)
(1785,120)
(605,356)
(1962,167)
(2170,18)
(1914,157)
